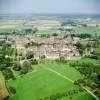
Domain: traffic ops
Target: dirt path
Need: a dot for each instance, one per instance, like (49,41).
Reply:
(65,77)
(3,91)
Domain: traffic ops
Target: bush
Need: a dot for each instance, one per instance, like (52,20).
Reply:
(12,90)
(24,71)
(27,65)
(34,61)
(29,55)
(93,57)
(43,57)
(54,34)
(17,67)
(8,73)
(6,98)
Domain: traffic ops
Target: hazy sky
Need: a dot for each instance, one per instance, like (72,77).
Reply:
(50,6)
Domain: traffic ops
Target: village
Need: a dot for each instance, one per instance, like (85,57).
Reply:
(40,48)
(50,47)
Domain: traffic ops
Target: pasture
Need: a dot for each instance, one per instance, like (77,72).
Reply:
(49,78)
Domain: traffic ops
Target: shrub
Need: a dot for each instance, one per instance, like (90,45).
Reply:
(29,55)
(24,71)
(8,73)
(34,61)
(12,90)
(17,67)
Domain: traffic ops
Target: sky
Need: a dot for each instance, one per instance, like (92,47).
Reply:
(50,6)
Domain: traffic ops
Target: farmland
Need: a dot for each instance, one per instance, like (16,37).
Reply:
(50,58)
(88,30)
(48,27)
(44,26)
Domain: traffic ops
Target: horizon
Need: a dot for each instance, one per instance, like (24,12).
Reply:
(50,14)
(50,7)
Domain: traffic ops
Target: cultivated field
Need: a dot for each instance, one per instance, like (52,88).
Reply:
(47,26)
(88,30)
(44,26)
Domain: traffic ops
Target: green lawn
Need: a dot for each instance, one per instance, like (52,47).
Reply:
(64,69)
(42,83)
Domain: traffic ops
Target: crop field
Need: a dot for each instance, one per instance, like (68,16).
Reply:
(88,30)
(50,78)
(6,30)
(46,32)
(43,26)
(9,26)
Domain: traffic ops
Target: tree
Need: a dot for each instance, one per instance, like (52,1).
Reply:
(84,25)
(67,22)
(29,30)
(17,66)
(55,34)
(80,47)
(12,90)
(27,64)
(29,55)
(24,71)
(8,73)
(34,61)
(6,48)
(80,51)
(34,30)
(85,35)
(98,75)
(5,53)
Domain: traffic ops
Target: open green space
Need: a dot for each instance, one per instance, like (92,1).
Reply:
(42,82)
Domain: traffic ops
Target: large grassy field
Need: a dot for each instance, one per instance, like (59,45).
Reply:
(43,82)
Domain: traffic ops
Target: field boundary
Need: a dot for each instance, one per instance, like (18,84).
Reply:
(65,77)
